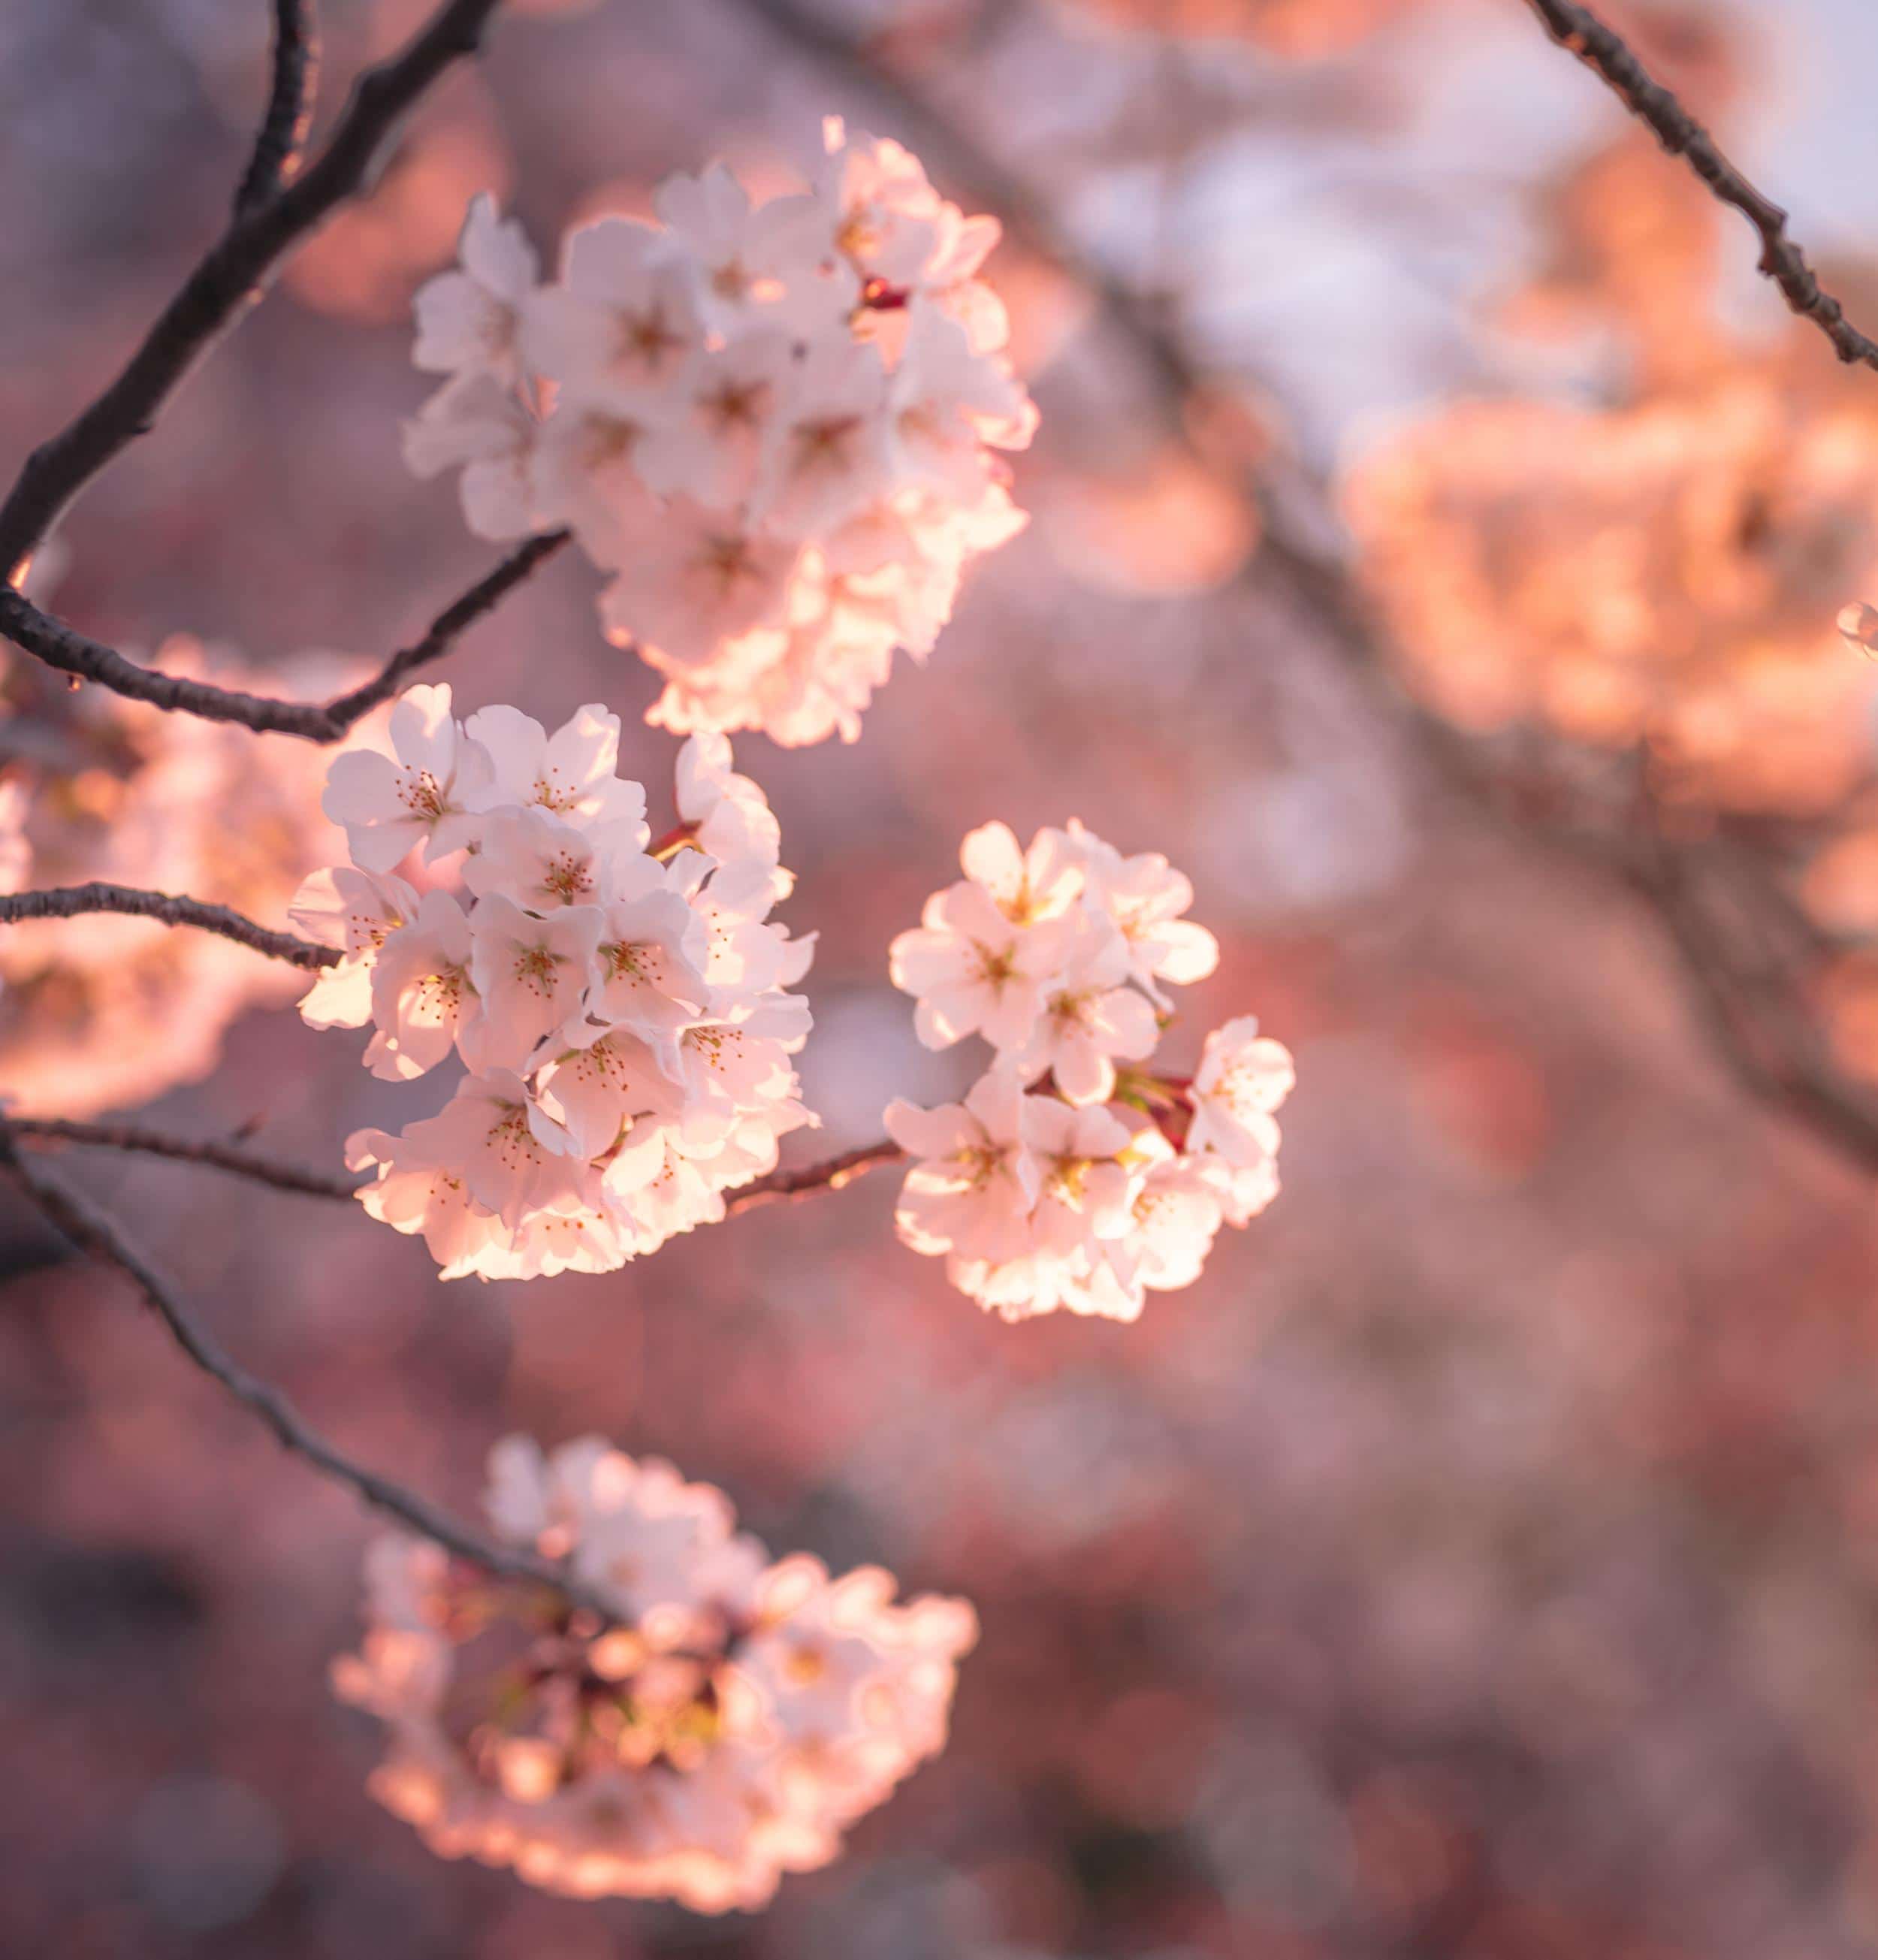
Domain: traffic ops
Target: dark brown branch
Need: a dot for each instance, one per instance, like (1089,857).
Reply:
(63,647)
(70,901)
(1609,57)
(51,1131)
(779,1186)
(282,134)
(93,1233)
(230,278)
(1748,1005)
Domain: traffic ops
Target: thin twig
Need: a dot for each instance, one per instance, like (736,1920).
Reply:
(94,1233)
(230,278)
(834,1173)
(61,646)
(70,901)
(1610,57)
(282,134)
(1773,1047)
(51,1131)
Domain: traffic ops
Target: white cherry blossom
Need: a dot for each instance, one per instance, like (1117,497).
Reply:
(421,996)
(570,775)
(775,422)
(1104,1178)
(1243,1076)
(422,795)
(974,1181)
(469,319)
(977,971)
(628,1023)
(475,424)
(531,974)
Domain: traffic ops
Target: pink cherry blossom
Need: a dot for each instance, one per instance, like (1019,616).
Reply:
(628,1022)
(1242,1077)
(531,974)
(729,1725)
(722,405)
(421,795)
(1105,1179)
(975,970)
(422,999)
(470,319)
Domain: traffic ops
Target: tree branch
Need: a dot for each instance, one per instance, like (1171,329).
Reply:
(70,901)
(1610,57)
(93,1233)
(63,647)
(283,131)
(51,1131)
(834,1173)
(229,278)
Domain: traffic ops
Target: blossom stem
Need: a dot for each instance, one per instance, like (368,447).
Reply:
(680,837)
(834,1173)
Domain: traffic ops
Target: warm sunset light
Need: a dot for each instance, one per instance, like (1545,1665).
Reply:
(939,980)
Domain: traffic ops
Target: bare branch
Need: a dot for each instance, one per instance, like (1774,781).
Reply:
(283,131)
(230,278)
(1610,57)
(51,1131)
(1750,1005)
(93,1233)
(70,901)
(63,647)
(834,1173)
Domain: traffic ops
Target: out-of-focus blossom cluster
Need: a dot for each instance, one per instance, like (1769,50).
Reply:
(1686,569)
(1074,1174)
(735,1717)
(1667,572)
(100,1011)
(768,422)
(1665,566)
(622,1012)
(1299,28)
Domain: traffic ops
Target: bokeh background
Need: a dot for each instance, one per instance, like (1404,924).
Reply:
(1480,1562)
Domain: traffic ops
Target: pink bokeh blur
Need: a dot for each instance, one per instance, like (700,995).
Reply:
(1476,1562)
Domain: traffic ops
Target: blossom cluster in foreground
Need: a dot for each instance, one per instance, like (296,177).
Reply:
(733,1720)
(1074,1174)
(622,1012)
(768,422)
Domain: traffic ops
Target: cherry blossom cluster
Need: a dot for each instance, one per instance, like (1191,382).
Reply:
(621,1009)
(1073,1174)
(730,1722)
(103,1012)
(772,424)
